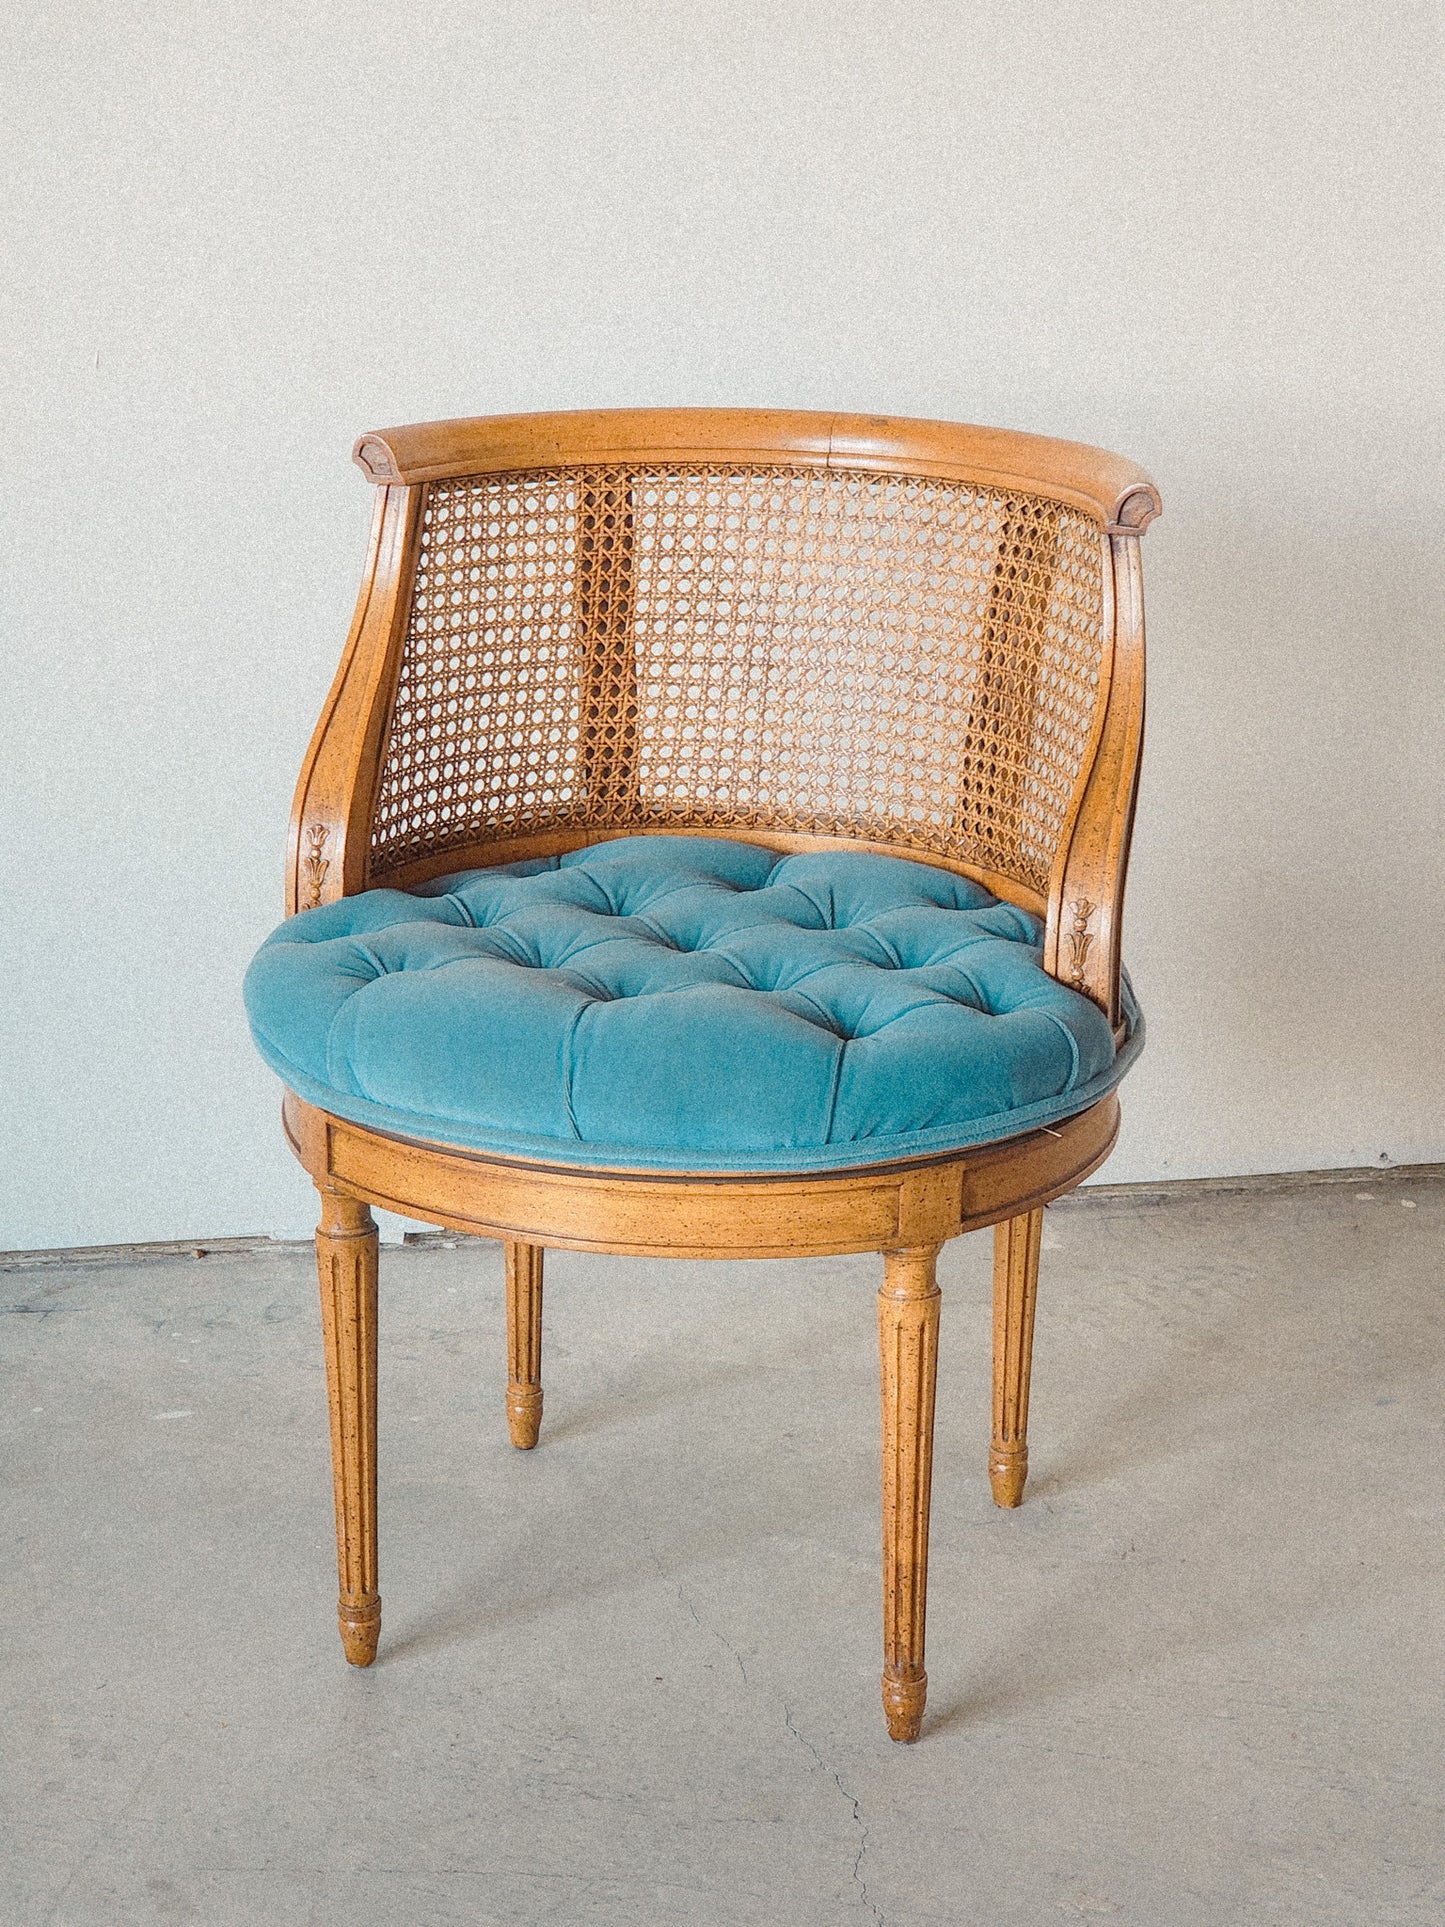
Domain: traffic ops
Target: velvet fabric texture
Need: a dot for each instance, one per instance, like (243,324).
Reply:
(683,1004)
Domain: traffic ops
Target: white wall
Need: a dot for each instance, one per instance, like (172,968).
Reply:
(1206,235)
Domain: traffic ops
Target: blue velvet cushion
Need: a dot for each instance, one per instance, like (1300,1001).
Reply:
(683,1003)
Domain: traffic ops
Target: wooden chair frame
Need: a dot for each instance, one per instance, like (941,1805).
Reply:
(907,1210)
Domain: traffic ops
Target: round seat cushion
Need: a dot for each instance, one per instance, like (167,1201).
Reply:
(683,1003)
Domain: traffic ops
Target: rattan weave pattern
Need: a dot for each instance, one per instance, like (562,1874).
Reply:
(841,652)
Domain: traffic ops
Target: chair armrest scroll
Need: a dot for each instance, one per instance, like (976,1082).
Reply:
(331,814)
(1086,894)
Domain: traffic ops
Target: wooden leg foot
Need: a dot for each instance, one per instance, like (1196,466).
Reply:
(904,1694)
(1007,1474)
(360,1625)
(1015,1288)
(908,1308)
(524,1344)
(346,1253)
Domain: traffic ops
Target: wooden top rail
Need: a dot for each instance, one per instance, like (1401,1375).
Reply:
(1117,492)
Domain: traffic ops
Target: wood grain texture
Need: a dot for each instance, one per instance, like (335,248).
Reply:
(346,1263)
(1107,485)
(1015,1288)
(681,1216)
(524,1343)
(908,1309)
(605,595)
(335,799)
(1086,890)
(662,696)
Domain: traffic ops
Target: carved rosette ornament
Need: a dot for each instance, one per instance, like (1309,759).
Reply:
(1080,941)
(315,864)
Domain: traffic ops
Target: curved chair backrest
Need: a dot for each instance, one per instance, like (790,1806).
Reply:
(910,636)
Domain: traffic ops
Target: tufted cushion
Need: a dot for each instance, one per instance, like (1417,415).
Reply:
(683,1003)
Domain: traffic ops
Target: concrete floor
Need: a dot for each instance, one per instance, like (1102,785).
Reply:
(633,1676)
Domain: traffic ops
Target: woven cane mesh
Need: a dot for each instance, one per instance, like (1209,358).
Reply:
(886,657)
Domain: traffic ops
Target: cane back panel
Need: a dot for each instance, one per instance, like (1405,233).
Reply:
(907,660)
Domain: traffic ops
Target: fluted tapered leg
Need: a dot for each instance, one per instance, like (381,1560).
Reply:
(908,1307)
(346,1264)
(524,1343)
(1015,1287)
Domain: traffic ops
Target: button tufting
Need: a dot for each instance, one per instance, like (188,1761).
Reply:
(721,1076)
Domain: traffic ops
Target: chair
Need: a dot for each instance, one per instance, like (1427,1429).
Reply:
(713,845)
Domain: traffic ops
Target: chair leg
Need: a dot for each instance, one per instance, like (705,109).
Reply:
(524,1343)
(908,1307)
(1015,1287)
(346,1264)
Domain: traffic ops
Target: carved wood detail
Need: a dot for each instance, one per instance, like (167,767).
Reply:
(373,458)
(336,789)
(684,1216)
(346,1263)
(1079,941)
(1015,1288)
(1135,510)
(1093,870)
(908,1310)
(524,1343)
(315,864)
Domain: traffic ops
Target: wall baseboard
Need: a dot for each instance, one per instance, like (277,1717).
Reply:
(1089,1197)
(140,1254)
